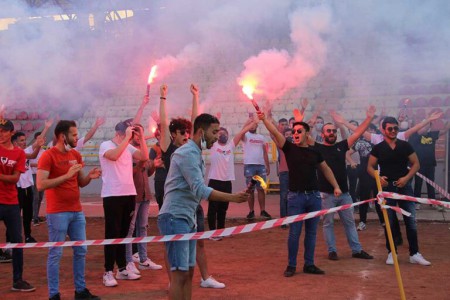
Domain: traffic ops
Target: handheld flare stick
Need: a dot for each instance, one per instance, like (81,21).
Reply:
(151,75)
(255,179)
(248,91)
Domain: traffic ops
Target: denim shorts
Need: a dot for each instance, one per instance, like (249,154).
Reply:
(181,254)
(252,170)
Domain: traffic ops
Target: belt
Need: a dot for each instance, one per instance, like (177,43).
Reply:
(305,192)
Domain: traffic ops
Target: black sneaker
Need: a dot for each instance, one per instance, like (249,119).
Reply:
(265,215)
(312,269)
(251,215)
(22,286)
(85,294)
(284,226)
(30,239)
(42,219)
(55,297)
(290,271)
(363,254)
(333,255)
(5,257)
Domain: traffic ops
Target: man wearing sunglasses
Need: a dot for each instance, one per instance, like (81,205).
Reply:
(334,154)
(393,157)
(303,162)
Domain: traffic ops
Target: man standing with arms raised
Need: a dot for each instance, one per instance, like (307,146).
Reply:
(60,175)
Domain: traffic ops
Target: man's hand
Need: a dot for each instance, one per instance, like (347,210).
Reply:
(129,133)
(218,115)
(383,181)
(298,116)
(74,170)
(353,165)
(304,103)
(163,90)
(158,163)
(370,113)
(99,121)
(434,116)
(401,182)
(48,123)
(337,117)
(95,173)
(145,100)
(240,197)
(337,192)
(261,115)
(194,89)
(155,116)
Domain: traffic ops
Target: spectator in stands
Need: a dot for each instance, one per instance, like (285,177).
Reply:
(424,144)
(334,154)
(256,162)
(25,187)
(99,121)
(303,162)
(119,193)
(393,156)
(60,174)
(139,221)
(183,191)
(13,164)
(221,173)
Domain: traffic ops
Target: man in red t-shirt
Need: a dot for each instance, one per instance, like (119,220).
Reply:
(60,175)
(12,164)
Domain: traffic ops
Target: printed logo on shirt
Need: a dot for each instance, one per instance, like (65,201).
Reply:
(253,141)
(426,140)
(224,152)
(8,162)
(68,162)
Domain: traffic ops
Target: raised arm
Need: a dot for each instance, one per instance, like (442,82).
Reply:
(361,129)
(164,141)
(114,154)
(141,154)
(137,118)
(340,119)
(98,122)
(194,113)
(247,126)
(432,117)
(277,137)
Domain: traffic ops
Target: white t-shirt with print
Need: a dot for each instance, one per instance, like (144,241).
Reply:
(222,162)
(117,176)
(253,144)
(26,179)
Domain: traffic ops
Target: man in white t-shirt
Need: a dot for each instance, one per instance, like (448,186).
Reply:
(118,193)
(25,187)
(256,162)
(221,173)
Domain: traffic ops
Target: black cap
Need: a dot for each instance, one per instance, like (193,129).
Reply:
(6,125)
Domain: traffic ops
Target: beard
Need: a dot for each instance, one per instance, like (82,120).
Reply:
(330,140)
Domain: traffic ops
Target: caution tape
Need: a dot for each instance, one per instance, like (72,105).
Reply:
(438,188)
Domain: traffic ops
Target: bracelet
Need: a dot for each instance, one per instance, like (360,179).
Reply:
(162,98)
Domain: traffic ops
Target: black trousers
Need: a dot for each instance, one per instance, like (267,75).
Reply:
(26,206)
(217,210)
(118,212)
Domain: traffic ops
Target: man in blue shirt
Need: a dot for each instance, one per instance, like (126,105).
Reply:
(184,188)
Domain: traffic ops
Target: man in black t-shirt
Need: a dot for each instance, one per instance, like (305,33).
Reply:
(393,157)
(334,155)
(303,162)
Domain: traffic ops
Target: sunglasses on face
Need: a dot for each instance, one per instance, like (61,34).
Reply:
(391,129)
(331,130)
(182,132)
(299,131)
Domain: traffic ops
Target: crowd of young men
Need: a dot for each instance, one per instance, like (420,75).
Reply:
(313,175)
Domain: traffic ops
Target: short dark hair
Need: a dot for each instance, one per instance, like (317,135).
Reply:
(305,125)
(388,120)
(319,117)
(63,126)
(180,124)
(353,121)
(37,134)
(282,120)
(204,121)
(328,123)
(17,135)
(291,119)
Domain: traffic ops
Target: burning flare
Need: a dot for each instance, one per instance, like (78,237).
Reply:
(152,74)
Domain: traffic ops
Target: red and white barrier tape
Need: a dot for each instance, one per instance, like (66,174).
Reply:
(227,231)
(441,190)
(190,236)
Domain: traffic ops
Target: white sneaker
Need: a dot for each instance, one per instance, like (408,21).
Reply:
(131,268)
(211,283)
(125,275)
(390,260)
(136,257)
(361,226)
(108,279)
(149,265)
(418,259)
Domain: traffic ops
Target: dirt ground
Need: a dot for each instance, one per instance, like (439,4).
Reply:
(252,265)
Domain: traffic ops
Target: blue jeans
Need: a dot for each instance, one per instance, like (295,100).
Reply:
(284,189)
(140,222)
(347,219)
(410,222)
(10,214)
(299,203)
(181,254)
(59,225)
